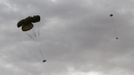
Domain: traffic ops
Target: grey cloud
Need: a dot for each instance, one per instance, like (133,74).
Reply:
(73,33)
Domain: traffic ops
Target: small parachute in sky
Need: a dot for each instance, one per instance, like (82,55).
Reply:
(26,23)
(32,31)
(116,38)
(115,30)
(44,60)
(27,26)
(111,15)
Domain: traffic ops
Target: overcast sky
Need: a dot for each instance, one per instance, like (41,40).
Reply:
(77,37)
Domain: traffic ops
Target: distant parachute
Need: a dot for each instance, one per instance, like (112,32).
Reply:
(26,23)
(44,60)
(111,15)
(115,30)
(116,38)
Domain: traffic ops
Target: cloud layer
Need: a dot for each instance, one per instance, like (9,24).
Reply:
(76,37)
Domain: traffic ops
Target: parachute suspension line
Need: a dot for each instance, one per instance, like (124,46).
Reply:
(30,36)
(35,38)
(114,25)
(36,33)
(33,34)
(40,49)
(26,24)
(41,53)
(114,29)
